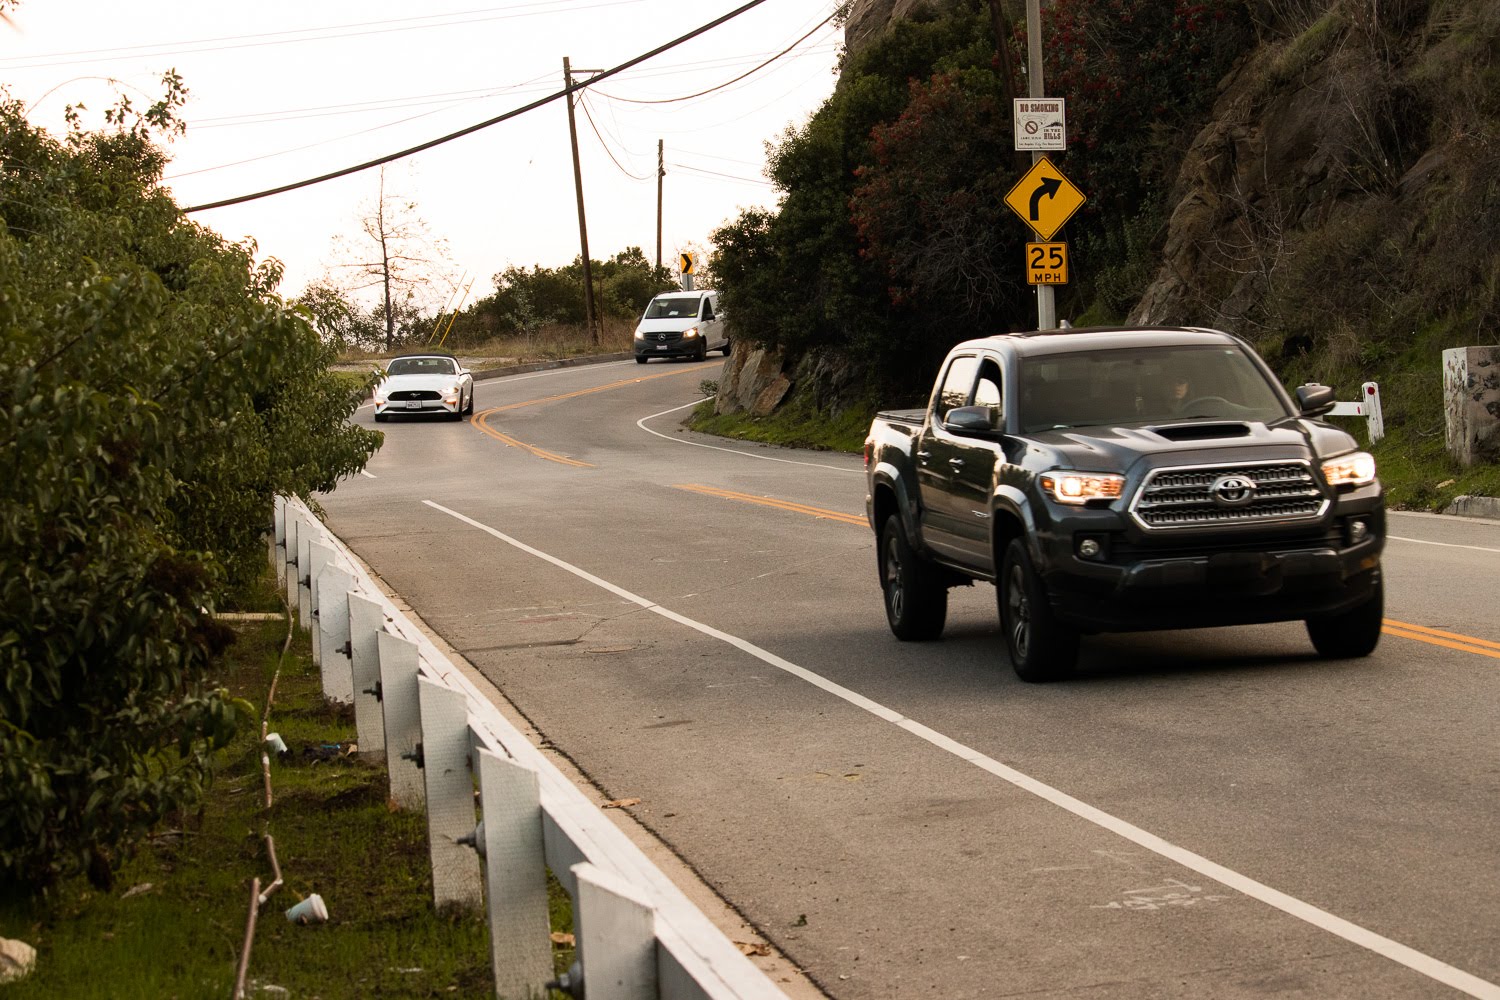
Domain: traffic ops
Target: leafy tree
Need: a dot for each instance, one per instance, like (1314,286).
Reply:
(155,395)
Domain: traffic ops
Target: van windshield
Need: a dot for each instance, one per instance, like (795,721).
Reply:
(672,307)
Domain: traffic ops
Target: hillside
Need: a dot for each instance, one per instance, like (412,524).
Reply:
(1333,195)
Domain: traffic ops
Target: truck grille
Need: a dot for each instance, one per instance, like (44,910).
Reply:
(1210,496)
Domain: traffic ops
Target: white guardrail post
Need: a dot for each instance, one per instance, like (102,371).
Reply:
(403,723)
(639,937)
(332,587)
(616,933)
(278,540)
(446,750)
(515,876)
(1367,406)
(366,624)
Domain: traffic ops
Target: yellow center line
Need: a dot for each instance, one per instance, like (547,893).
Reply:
(1448,640)
(787,505)
(481,419)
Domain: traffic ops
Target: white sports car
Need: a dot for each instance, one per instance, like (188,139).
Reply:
(425,383)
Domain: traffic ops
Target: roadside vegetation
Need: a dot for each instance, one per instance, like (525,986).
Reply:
(174,923)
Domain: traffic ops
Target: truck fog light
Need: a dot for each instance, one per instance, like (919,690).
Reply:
(1090,548)
(1359,530)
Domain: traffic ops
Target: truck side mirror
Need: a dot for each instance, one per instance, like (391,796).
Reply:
(973,421)
(1315,399)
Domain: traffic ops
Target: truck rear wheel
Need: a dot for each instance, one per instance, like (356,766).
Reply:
(1354,633)
(1041,648)
(916,600)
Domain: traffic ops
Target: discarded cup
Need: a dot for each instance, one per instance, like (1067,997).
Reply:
(275,744)
(310,911)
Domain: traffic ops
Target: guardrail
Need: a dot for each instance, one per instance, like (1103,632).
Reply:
(637,935)
(1367,406)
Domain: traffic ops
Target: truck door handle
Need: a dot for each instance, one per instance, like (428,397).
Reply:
(923,456)
(957,463)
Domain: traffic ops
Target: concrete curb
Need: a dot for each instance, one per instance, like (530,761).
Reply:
(1467,506)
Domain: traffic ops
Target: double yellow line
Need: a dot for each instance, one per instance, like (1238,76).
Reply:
(1437,637)
(795,508)
(481,419)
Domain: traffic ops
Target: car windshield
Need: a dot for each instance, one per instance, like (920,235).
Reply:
(422,366)
(673,308)
(1144,385)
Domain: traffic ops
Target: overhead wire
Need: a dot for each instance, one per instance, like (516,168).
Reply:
(590,119)
(272,38)
(757,69)
(565,92)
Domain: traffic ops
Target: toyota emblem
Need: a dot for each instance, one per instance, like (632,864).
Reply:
(1233,491)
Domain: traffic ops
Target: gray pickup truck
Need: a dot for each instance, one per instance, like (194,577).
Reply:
(1110,480)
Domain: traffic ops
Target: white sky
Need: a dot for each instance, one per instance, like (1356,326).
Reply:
(282,91)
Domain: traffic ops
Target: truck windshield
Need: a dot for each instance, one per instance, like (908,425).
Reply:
(1144,385)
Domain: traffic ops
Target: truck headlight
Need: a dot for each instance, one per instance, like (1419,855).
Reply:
(639,335)
(1079,488)
(1357,469)
(690,333)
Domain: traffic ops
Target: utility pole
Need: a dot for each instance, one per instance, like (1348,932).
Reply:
(661,171)
(1000,24)
(583,228)
(1046,304)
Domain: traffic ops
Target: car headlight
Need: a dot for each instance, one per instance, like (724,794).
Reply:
(1356,469)
(1080,487)
(639,335)
(380,395)
(690,333)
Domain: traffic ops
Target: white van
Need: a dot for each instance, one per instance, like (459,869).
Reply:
(681,325)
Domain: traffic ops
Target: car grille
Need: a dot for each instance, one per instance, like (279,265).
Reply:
(409,394)
(1280,493)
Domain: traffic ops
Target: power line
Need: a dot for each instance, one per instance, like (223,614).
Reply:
(715,173)
(565,92)
(757,69)
(275,37)
(584,104)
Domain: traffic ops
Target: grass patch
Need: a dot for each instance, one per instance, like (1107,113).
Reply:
(174,922)
(791,426)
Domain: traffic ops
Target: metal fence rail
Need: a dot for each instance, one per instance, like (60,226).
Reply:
(638,936)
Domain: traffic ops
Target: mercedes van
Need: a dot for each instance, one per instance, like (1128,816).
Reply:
(681,325)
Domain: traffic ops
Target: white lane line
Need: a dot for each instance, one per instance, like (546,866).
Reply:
(1446,545)
(641,423)
(1402,954)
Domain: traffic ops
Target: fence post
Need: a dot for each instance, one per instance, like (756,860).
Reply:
(616,934)
(332,587)
(403,722)
(515,876)
(366,622)
(447,749)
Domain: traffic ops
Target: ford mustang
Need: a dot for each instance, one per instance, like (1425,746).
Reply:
(425,383)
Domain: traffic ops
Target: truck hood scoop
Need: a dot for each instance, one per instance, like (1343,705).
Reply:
(1203,432)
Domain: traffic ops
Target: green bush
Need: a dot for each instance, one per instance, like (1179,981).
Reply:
(154,396)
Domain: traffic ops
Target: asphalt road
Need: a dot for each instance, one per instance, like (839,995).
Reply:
(697,623)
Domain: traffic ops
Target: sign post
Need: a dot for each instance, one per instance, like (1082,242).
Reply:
(685,265)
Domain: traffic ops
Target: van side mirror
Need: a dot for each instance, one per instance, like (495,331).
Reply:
(1315,400)
(974,421)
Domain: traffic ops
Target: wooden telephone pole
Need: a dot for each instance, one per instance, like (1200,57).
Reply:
(661,171)
(583,227)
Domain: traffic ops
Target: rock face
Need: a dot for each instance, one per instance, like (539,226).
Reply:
(868,18)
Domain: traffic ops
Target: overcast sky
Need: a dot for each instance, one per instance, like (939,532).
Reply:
(282,91)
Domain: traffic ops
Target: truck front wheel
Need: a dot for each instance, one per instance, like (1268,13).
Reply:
(916,601)
(1040,647)
(1354,633)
